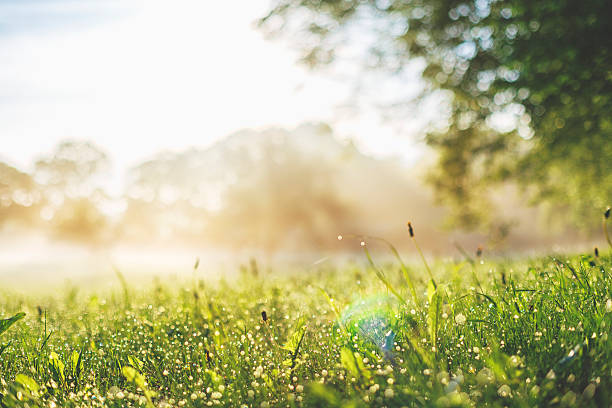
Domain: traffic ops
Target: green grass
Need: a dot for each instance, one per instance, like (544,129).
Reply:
(493,333)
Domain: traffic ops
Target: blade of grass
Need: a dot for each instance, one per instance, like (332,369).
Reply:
(5,324)
(416,244)
(381,276)
(395,252)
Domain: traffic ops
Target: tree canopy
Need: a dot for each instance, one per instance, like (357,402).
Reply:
(528,85)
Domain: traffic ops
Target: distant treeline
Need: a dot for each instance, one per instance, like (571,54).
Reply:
(272,190)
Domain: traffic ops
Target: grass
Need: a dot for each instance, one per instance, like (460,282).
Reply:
(488,333)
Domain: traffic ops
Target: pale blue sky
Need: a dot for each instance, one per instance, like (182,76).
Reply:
(137,77)
(18,17)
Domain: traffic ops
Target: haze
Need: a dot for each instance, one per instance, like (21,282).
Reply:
(201,136)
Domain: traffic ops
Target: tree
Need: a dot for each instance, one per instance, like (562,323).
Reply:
(528,85)
(80,220)
(285,193)
(70,184)
(168,196)
(73,168)
(20,198)
(267,190)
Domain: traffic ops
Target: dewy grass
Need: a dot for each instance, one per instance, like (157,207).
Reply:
(396,255)
(540,338)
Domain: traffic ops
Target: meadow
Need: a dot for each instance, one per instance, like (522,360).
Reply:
(470,332)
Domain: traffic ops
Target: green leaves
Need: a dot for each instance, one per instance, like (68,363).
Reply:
(135,362)
(56,366)
(295,342)
(323,396)
(353,363)
(546,64)
(433,312)
(133,376)
(76,360)
(27,382)
(6,323)
(382,277)
(23,392)
(487,344)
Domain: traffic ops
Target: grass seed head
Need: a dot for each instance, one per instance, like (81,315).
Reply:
(264,315)
(410,229)
(607,213)
(596,250)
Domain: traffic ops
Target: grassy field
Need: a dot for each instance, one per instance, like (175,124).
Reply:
(478,333)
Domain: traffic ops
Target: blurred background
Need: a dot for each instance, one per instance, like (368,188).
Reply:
(144,133)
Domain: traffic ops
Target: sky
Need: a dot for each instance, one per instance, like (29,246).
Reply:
(137,77)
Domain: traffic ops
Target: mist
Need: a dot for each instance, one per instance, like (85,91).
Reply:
(274,194)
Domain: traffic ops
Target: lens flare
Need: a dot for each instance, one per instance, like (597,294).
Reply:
(372,319)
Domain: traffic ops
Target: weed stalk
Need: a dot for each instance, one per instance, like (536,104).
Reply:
(411,232)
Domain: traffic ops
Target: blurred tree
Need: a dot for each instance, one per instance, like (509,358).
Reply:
(73,168)
(528,85)
(70,181)
(285,193)
(268,190)
(80,220)
(20,198)
(167,197)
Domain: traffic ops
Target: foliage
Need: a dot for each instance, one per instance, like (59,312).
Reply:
(536,333)
(529,86)
(69,179)
(8,322)
(60,196)
(19,197)
(271,189)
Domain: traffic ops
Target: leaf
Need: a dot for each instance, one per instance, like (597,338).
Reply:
(403,266)
(353,363)
(135,362)
(433,313)
(57,367)
(489,298)
(214,379)
(27,382)
(6,323)
(133,376)
(266,378)
(45,341)
(431,290)
(77,363)
(348,361)
(294,341)
(323,396)
(381,276)
(330,300)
